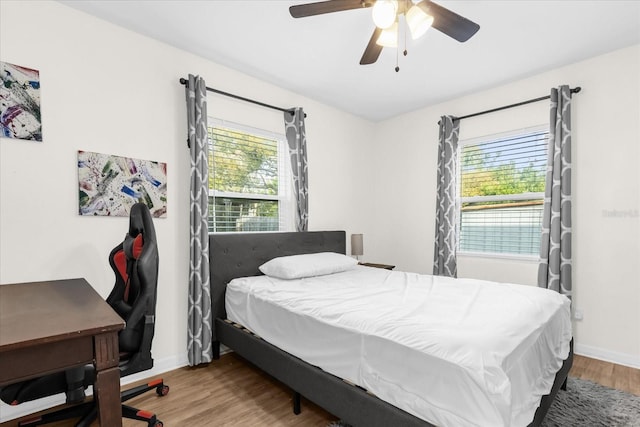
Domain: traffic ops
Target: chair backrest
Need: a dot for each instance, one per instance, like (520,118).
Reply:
(135,264)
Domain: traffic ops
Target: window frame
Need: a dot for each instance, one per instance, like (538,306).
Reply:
(285,177)
(460,200)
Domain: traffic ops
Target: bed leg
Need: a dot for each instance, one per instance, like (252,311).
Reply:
(564,384)
(296,403)
(215,349)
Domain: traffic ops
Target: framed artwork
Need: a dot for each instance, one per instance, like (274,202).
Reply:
(20,102)
(109,185)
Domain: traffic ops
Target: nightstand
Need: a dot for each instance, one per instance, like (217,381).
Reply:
(371,264)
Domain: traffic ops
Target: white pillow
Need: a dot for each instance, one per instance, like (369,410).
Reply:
(307,265)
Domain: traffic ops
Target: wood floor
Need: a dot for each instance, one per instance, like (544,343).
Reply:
(231,392)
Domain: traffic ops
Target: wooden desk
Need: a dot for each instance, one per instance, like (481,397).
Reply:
(46,327)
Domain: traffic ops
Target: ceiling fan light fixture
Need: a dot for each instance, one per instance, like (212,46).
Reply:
(389,15)
(384,13)
(389,36)
(418,22)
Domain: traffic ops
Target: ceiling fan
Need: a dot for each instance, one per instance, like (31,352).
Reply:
(418,15)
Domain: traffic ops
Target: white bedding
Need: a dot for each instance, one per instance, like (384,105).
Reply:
(454,352)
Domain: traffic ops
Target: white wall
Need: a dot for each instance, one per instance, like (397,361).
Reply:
(606,181)
(109,90)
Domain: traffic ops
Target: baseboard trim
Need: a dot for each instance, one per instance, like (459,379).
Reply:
(160,366)
(8,413)
(625,359)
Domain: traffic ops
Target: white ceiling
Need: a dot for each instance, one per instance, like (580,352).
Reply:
(319,56)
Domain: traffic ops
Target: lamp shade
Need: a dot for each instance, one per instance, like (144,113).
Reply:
(384,13)
(389,36)
(356,244)
(418,21)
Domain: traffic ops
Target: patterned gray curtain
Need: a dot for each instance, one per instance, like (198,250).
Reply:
(554,270)
(199,323)
(297,140)
(444,251)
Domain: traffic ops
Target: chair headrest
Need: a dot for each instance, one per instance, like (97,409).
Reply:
(132,246)
(140,222)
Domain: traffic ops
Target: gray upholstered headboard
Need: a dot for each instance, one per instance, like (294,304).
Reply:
(240,254)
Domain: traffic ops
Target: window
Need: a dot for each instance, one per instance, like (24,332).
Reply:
(249,180)
(502,180)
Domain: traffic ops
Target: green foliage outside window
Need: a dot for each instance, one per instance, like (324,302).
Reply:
(484,175)
(243,163)
(246,166)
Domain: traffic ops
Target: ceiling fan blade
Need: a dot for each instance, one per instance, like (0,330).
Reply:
(372,52)
(448,22)
(318,8)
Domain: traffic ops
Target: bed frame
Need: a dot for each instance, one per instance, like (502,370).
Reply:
(239,255)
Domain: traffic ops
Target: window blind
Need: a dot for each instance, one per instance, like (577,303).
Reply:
(502,182)
(246,180)
(244,163)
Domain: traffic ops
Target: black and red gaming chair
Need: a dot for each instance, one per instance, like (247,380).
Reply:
(135,264)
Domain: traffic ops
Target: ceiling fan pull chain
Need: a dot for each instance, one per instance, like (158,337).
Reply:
(405,41)
(404,52)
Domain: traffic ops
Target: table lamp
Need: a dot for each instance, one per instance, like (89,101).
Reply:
(356,245)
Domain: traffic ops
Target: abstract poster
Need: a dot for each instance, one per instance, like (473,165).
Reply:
(20,102)
(110,185)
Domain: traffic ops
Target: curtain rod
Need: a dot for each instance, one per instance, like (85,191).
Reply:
(241,98)
(529,101)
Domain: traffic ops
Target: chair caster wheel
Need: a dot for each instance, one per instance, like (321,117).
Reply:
(159,424)
(162,390)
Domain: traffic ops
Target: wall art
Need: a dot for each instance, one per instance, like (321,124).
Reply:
(109,185)
(20,102)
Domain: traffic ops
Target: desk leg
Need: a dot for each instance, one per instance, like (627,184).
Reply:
(107,386)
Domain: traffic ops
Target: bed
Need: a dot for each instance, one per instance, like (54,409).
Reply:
(240,255)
